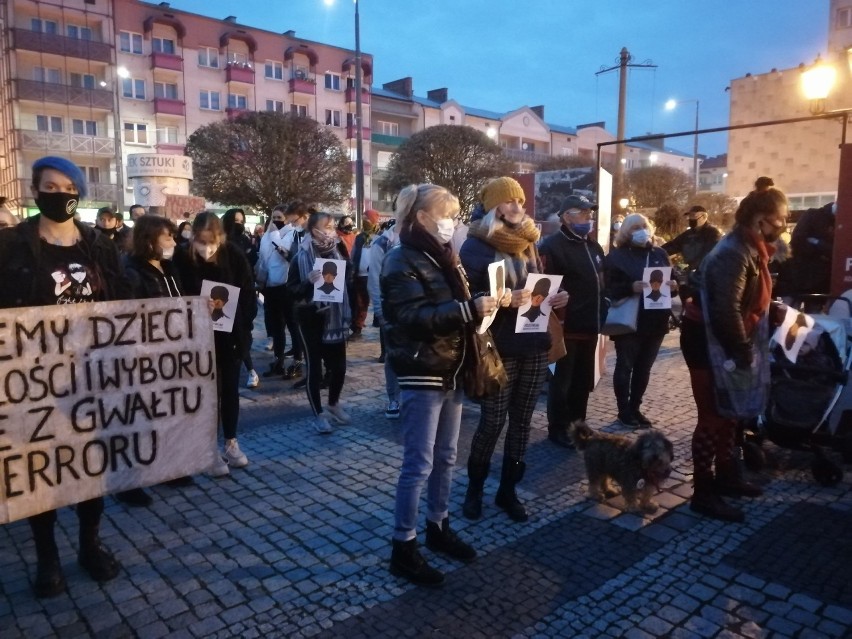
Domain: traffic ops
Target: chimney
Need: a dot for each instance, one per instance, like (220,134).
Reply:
(657,143)
(290,33)
(438,95)
(231,19)
(403,86)
(538,110)
(164,5)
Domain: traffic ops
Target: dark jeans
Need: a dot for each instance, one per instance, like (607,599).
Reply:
(228,375)
(635,354)
(359,302)
(292,324)
(274,314)
(42,525)
(311,326)
(572,382)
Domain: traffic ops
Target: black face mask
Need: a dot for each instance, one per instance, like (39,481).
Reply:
(775,232)
(239,229)
(692,223)
(279,224)
(108,232)
(59,207)
(347,229)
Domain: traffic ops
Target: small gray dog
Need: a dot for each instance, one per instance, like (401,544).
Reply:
(639,466)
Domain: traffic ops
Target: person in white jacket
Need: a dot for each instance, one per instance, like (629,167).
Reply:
(381,247)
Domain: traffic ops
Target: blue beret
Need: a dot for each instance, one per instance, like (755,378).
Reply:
(71,170)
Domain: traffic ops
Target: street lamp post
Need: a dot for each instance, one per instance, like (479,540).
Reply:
(359,145)
(671,104)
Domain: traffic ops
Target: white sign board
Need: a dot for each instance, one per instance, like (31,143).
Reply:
(329,288)
(159,165)
(104,397)
(533,316)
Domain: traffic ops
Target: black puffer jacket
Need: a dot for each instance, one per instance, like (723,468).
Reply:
(731,275)
(580,262)
(148,281)
(625,265)
(425,325)
(20,253)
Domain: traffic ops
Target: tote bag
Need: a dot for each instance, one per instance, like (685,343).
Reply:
(622,316)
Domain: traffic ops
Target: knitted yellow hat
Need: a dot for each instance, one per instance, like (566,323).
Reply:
(501,190)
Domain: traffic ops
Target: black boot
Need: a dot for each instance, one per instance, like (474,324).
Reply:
(511,474)
(407,562)
(93,557)
(476,476)
(706,501)
(730,482)
(276,368)
(440,538)
(49,581)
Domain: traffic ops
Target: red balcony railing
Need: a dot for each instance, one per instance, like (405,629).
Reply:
(235,112)
(167,106)
(303,85)
(60,45)
(239,73)
(350,95)
(166,61)
(63,94)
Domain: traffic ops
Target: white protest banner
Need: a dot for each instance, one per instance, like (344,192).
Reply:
(104,397)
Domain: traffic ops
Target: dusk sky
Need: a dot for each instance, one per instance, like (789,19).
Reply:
(500,55)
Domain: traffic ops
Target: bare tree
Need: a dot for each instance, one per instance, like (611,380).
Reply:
(653,186)
(459,158)
(265,158)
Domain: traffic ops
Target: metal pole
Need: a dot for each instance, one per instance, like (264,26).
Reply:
(622,108)
(359,150)
(695,150)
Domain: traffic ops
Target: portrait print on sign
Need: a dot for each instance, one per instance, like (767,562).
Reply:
(497,286)
(532,317)
(222,300)
(657,293)
(329,288)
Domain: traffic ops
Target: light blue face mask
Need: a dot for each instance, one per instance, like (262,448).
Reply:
(583,228)
(640,237)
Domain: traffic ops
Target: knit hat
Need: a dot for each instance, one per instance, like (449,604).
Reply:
(66,167)
(501,190)
(371,216)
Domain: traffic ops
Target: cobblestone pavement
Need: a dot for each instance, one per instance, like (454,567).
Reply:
(297,544)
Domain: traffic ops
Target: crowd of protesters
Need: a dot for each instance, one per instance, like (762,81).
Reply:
(428,288)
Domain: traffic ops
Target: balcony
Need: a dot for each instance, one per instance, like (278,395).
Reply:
(530,157)
(387,140)
(65,143)
(166,61)
(167,148)
(64,94)
(303,85)
(350,95)
(239,73)
(60,45)
(234,112)
(167,106)
(350,132)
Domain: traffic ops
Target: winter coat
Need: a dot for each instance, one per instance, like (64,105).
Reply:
(381,246)
(272,265)
(625,265)
(148,281)
(694,244)
(425,325)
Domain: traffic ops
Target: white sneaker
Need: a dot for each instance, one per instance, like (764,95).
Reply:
(219,467)
(252,381)
(234,456)
(269,343)
(322,426)
(338,414)
(392,411)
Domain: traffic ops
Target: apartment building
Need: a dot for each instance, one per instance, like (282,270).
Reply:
(98,80)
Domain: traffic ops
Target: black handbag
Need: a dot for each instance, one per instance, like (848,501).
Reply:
(484,373)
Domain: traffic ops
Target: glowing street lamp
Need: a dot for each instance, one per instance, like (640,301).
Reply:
(817,82)
(670,106)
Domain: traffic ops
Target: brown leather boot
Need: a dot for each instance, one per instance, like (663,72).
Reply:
(706,501)
(730,482)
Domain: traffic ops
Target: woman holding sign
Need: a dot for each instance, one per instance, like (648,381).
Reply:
(500,230)
(52,259)
(213,259)
(635,353)
(323,325)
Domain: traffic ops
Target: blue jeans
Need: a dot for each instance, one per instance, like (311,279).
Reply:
(431,421)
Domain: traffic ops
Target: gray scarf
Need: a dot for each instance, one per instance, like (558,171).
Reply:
(337,316)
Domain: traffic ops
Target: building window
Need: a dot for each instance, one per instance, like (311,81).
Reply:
(84,127)
(209,100)
(383,159)
(301,73)
(273,70)
(566,150)
(165,90)
(167,135)
(332,82)
(92,173)
(130,42)
(388,128)
(332,117)
(208,57)
(135,133)
(78,33)
(50,123)
(844,18)
(46,74)
(84,80)
(275,105)
(299,109)
(44,26)
(163,45)
(237,101)
(238,59)
(133,88)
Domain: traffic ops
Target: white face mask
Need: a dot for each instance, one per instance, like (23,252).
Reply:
(446,229)
(167,253)
(187,234)
(640,237)
(205,251)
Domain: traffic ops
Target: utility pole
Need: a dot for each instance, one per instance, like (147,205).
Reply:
(625,61)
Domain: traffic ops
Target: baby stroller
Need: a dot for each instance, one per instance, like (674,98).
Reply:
(810,398)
